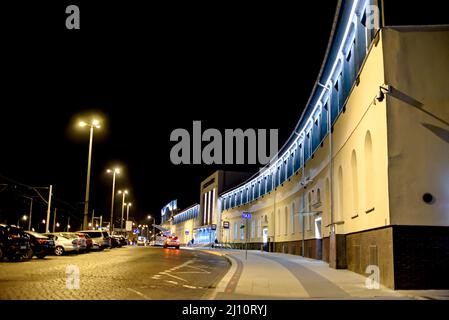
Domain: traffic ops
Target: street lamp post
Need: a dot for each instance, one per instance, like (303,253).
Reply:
(123,193)
(94,124)
(114,172)
(127,210)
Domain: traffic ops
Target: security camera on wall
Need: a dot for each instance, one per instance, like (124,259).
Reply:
(381,94)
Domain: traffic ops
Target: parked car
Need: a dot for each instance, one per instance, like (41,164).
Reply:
(89,241)
(171,241)
(63,243)
(82,243)
(100,239)
(14,243)
(123,241)
(115,242)
(40,245)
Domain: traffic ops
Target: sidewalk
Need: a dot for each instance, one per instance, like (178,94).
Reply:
(270,276)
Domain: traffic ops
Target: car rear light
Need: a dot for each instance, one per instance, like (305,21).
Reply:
(75,242)
(41,241)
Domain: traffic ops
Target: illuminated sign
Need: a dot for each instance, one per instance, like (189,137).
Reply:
(225,224)
(171,206)
(246,215)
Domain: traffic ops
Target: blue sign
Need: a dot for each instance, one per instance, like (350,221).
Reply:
(246,215)
(136,231)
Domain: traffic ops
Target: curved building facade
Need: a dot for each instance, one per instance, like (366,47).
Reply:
(349,186)
(363,181)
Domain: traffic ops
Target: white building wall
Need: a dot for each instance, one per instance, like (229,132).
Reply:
(349,135)
(417,66)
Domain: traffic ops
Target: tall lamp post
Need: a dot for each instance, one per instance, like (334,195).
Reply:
(129,204)
(114,172)
(123,193)
(94,124)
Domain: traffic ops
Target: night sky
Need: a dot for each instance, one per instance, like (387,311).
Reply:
(148,70)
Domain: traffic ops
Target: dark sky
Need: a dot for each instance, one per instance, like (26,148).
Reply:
(149,70)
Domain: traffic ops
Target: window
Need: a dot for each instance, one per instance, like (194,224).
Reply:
(318,195)
(253,229)
(370,176)
(292,218)
(286,220)
(279,222)
(340,194)
(309,210)
(235,230)
(355,183)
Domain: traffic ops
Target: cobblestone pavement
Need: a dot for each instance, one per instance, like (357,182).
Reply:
(123,273)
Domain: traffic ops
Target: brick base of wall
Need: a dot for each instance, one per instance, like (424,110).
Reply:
(421,257)
(408,257)
(372,248)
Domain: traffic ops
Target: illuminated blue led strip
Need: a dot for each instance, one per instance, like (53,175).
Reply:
(248,191)
(187,214)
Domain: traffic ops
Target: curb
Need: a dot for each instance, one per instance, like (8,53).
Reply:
(220,286)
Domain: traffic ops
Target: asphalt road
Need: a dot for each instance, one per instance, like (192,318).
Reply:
(123,273)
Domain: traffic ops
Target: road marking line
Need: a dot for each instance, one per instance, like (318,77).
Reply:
(169,281)
(179,278)
(193,267)
(140,294)
(190,287)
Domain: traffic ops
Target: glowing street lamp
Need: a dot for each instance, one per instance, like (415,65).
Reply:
(95,123)
(127,210)
(123,193)
(114,172)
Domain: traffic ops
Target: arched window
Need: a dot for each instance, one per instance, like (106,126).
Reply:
(292,218)
(309,210)
(370,180)
(340,194)
(355,183)
(286,220)
(235,230)
(279,222)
